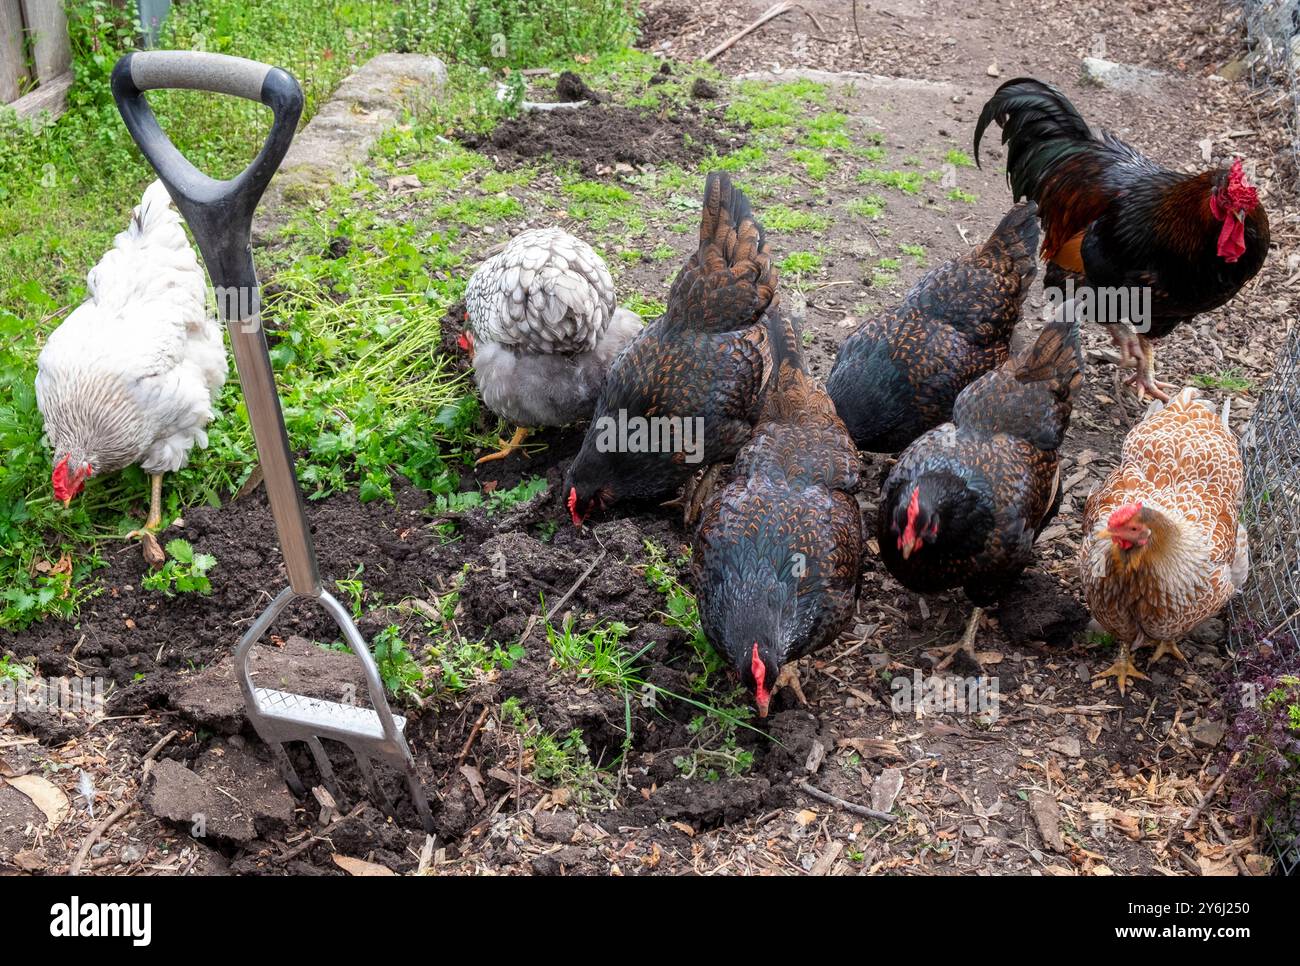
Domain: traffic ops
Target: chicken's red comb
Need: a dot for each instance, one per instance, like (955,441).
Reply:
(573,506)
(1240,194)
(1123,515)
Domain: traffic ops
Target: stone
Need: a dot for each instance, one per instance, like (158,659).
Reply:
(885,789)
(1067,745)
(1047,818)
(339,138)
(1207,733)
(229,796)
(1125,78)
(555,826)
(1209,633)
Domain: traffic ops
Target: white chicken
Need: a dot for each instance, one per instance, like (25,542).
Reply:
(131,375)
(543,330)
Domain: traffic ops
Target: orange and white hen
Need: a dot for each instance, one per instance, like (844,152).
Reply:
(1163,547)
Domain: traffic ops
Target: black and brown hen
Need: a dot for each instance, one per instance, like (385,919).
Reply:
(778,551)
(702,365)
(964,504)
(899,374)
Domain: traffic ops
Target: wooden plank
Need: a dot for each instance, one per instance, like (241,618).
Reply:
(13,64)
(51,96)
(48,27)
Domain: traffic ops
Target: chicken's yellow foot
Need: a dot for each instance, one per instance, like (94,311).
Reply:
(1144,380)
(149,546)
(506,449)
(966,645)
(1166,647)
(789,678)
(1122,670)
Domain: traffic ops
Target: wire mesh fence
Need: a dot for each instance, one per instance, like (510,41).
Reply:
(1273,35)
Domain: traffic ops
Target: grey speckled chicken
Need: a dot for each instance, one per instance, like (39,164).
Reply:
(543,328)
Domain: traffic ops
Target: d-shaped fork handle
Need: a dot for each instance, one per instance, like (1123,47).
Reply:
(220,213)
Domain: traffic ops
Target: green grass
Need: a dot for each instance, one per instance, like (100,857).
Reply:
(801,263)
(872,207)
(959,159)
(1230,380)
(908,182)
(782,218)
(957,194)
(917,252)
(761,106)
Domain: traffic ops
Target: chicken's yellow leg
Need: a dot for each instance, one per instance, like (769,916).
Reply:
(789,678)
(1144,379)
(1122,669)
(965,645)
(1166,647)
(153,552)
(506,449)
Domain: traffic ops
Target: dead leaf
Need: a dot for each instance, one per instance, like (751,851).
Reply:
(871,747)
(805,817)
(684,829)
(404,182)
(45,795)
(360,867)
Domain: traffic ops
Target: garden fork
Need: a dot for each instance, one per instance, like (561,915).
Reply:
(220,213)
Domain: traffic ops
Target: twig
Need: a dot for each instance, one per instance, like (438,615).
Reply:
(473,734)
(772,13)
(814,792)
(108,822)
(857,30)
(532,621)
(1205,801)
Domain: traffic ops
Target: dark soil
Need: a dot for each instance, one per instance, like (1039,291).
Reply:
(599,136)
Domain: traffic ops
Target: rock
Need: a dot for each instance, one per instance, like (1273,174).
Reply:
(555,826)
(1067,745)
(885,789)
(230,795)
(338,139)
(130,853)
(212,699)
(703,90)
(1125,78)
(555,863)
(1209,633)
(1207,733)
(1047,817)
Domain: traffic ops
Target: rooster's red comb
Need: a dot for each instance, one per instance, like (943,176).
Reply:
(1239,194)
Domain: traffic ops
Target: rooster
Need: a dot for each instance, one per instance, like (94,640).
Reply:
(132,374)
(543,330)
(1165,548)
(899,374)
(965,502)
(704,363)
(1115,221)
(778,551)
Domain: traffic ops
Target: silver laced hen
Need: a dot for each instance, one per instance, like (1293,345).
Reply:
(543,329)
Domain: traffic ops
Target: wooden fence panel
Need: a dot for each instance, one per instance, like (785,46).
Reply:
(48,26)
(13,62)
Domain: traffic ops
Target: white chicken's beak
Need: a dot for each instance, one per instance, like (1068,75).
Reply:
(67,502)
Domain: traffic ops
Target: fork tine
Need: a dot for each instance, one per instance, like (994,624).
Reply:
(323,763)
(287,771)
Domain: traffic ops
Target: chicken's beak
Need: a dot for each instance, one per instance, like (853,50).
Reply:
(67,502)
(1240,215)
(908,547)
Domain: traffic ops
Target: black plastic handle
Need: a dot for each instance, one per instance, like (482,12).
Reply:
(220,213)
